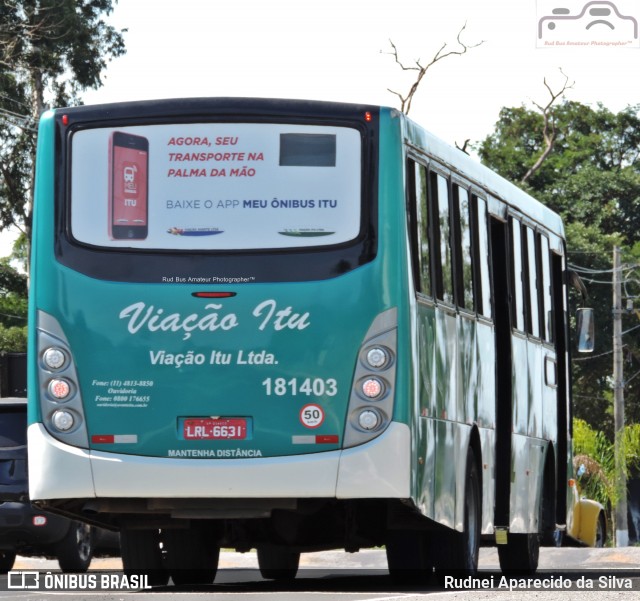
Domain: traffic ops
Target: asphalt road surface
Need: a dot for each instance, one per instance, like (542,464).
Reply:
(565,574)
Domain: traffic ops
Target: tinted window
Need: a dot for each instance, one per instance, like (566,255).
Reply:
(482,258)
(517,292)
(533,321)
(440,186)
(546,288)
(422,220)
(466,297)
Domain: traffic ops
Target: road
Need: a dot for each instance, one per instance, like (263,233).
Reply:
(337,576)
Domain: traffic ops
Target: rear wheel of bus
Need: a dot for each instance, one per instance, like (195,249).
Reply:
(277,562)
(409,556)
(191,555)
(459,551)
(142,554)
(520,555)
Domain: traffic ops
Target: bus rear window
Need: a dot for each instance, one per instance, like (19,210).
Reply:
(216,186)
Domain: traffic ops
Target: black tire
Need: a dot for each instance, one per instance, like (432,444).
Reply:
(459,551)
(7,559)
(520,555)
(409,557)
(601,531)
(277,562)
(191,558)
(75,550)
(141,554)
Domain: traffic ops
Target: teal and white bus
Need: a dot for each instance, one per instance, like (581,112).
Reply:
(295,326)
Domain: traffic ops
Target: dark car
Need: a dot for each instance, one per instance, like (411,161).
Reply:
(25,529)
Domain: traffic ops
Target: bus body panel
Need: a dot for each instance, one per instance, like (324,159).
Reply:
(378,469)
(253,371)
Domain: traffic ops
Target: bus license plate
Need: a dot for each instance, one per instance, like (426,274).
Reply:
(211,428)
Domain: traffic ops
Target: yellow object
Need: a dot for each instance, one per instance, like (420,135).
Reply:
(586,514)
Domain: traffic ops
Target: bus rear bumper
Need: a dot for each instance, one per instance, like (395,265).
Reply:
(378,469)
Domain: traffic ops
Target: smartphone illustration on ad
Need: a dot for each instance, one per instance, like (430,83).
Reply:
(128,186)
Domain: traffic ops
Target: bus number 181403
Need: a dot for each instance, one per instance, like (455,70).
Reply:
(316,387)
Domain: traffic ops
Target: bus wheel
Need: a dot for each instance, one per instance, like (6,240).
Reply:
(141,554)
(409,556)
(278,562)
(460,550)
(520,555)
(601,531)
(190,557)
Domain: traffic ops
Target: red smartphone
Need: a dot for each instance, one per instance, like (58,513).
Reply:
(128,186)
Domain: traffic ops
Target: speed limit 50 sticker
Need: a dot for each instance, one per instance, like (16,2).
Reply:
(312,415)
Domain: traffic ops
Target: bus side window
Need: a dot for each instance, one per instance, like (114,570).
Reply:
(517,281)
(442,237)
(481,257)
(546,290)
(464,266)
(422,225)
(531,279)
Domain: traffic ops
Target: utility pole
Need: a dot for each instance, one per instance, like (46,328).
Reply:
(622,531)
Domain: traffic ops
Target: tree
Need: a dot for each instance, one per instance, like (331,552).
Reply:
(421,69)
(13,308)
(591,176)
(549,129)
(50,50)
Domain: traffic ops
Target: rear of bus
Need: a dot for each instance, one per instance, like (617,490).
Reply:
(215,311)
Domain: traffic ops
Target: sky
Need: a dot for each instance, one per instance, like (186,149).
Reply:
(340,50)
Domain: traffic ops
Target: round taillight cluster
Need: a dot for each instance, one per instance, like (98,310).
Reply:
(59,388)
(373,386)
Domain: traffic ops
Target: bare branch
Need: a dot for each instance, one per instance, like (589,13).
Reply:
(463,148)
(549,130)
(405,100)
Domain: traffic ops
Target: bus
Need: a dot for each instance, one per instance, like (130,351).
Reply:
(293,326)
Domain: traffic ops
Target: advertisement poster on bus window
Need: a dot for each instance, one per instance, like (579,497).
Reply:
(216,186)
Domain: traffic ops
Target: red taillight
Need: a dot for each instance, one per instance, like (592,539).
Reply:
(368,117)
(59,389)
(65,119)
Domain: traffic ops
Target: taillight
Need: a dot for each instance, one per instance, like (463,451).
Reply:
(60,398)
(63,420)
(59,389)
(372,388)
(372,396)
(54,358)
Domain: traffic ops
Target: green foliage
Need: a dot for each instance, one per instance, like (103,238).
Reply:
(13,300)
(594,452)
(596,455)
(13,339)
